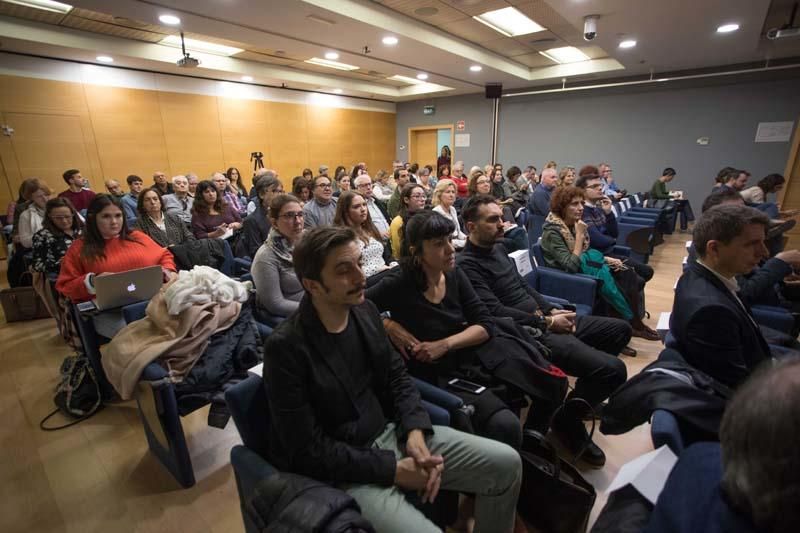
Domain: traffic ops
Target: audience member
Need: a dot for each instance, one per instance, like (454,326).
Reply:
(461,181)
(713,329)
(444,172)
(756,196)
(424,181)
(444,198)
(539,202)
(343,182)
(180,202)
(479,183)
(31,220)
(256,226)
(394,204)
(77,193)
(566,177)
(164,228)
(323,171)
(610,187)
(160,182)
(413,168)
(498,184)
(363,185)
(681,205)
(236,190)
(412,200)
(516,186)
(382,190)
(565,240)
(445,158)
(352,211)
(370,434)
(222,185)
(277,289)
(107,247)
(213,217)
(130,200)
(301,189)
(60,228)
(550,164)
(582,346)
(114,188)
(26,189)
(321,208)
(193,180)
(257,175)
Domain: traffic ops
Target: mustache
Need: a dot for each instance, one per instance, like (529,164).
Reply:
(358,289)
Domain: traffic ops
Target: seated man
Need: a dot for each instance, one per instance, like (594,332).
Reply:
(539,201)
(114,189)
(320,210)
(363,185)
(345,411)
(180,202)
(713,328)
(76,193)
(131,199)
(601,221)
(570,339)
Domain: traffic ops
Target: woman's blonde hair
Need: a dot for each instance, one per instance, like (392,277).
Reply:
(551,164)
(442,186)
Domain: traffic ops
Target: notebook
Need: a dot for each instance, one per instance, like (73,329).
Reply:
(123,288)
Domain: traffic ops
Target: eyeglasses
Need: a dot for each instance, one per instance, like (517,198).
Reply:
(417,196)
(482,181)
(292,215)
(363,185)
(324,185)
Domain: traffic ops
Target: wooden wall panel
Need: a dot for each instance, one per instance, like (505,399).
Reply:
(244,127)
(128,132)
(288,141)
(33,95)
(789,197)
(382,133)
(325,136)
(355,138)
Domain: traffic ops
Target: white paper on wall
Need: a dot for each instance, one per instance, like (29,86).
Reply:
(774,132)
(462,140)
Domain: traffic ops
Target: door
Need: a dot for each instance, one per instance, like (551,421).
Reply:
(789,197)
(423,147)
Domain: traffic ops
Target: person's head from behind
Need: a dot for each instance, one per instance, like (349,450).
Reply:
(220,182)
(549,178)
(722,196)
(382,177)
(180,185)
(479,183)
(207,197)
(412,199)
(484,219)
(758,437)
(40,196)
(135,184)
(413,168)
(60,217)
(566,177)
(323,170)
(551,164)
(424,175)
(104,220)
(73,178)
(267,188)
(149,202)
(328,263)
(771,184)
(427,247)
(113,187)
(322,189)
(444,193)
(567,204)
(27,188)
(592,187)
(668,174)
(729,239)
(400,177)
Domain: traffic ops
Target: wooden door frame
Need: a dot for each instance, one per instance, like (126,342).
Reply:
(794,153)
(450,127)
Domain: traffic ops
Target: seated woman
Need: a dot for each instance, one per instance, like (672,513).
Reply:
(301,189)
(498,191)
(343,182)
(566,178)
(382,190)
(444,330)
(444,196)
(352,211)
(236,191)
(108,247)
(32,218)
(757,195)
(424,181)
(60,228)
(412,200)
(277,289)
(212,216)
(565,239)
(164,228)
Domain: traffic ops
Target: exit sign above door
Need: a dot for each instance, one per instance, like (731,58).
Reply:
(429,110)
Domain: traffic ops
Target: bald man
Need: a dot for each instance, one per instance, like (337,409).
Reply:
(114,189)
(539,202)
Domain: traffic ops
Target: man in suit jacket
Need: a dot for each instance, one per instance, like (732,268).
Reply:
(345,411)
(713,328)
(256,225)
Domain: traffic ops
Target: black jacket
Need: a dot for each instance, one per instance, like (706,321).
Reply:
(712,330)
(291,503)
(208,252)
(311,399)
(255,229)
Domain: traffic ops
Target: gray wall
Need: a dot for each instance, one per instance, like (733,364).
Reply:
(638,130)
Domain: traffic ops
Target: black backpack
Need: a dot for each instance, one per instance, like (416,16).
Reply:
(78,392)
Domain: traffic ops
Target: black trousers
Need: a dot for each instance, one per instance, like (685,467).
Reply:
(642,270)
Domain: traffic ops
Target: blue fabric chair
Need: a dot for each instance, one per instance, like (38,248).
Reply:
(665,430)
(561,288)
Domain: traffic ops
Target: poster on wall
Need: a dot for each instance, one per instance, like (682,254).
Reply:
(774,132)
(462,140)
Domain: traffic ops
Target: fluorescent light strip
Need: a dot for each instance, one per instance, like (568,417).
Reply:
(565,54)
(330,64)
(195,45)
(405,79)
(509,21)
(44,5)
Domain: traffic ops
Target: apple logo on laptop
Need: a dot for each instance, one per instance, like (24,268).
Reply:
(132,288)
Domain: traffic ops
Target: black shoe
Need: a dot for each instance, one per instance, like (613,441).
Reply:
(573,436)
(627,350)
(779,228)
(596,413)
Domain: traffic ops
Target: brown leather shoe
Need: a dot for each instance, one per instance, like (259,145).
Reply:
(646,333)
(630,352)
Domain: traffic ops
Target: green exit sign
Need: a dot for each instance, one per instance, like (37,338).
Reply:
(429,110)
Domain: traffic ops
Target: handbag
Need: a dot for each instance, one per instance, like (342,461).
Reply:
(77,393)
(554,496)
(22,303)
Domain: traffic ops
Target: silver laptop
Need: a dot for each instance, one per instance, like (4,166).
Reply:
(123,288)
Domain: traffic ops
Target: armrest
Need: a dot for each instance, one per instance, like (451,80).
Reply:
(557,302)
(622,250)
(242,265)
(773,317)
(575,288)
(437,396)
(134,312)
(153,372)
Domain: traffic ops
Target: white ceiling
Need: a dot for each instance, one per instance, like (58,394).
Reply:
(438,37)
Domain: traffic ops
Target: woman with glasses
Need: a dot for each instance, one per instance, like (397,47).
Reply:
(60,228)
(412,200)
(164,228)
(278,290)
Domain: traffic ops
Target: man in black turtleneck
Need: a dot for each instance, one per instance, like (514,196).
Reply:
(584,347)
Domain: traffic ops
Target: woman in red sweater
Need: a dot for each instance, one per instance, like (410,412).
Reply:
(108,247)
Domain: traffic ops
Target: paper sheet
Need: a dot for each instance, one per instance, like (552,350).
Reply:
(258,370)
(647,473)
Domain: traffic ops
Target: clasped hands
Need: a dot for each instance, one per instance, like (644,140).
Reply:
(409,347)
(420,471)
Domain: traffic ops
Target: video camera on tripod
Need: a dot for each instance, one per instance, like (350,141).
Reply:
(257,158)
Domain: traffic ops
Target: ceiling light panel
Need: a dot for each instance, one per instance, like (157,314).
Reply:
(330,64)
(195,45)
(509,21)
(169,20)
(565,54)
(405,79)
(629,43)
(45,5)
(105,59)
(331,56)
(476,68)
(390,40)
(727,28)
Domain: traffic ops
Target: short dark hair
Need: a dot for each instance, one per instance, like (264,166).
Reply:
(279,202)
(140,199)
(133,177)
(669,171)
(311,252)
(770,182)
(580,181)
(67,175)
(55,203)
(413,168)
(513,171)
(397,172)
(422,226)
(264,183)
(724,223)
(724,195)
(723,174)
(469,212)
(299,183)
(589,169)
(562,197)
(758,437)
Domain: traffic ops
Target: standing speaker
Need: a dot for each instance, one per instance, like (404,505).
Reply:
(494,90)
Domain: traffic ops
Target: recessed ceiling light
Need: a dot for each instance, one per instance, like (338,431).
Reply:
(509,21)
(196,45)
(247,78)
(565,54)
(330,64)
(727,28)
(405,79)
(333,56)
(169,20)
(338,91)
(391,40)
(45,5)
(422,76)
(105,59)
(630,43)
(476,68)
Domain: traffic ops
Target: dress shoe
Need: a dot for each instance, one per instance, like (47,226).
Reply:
(645,332)
(630,352)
